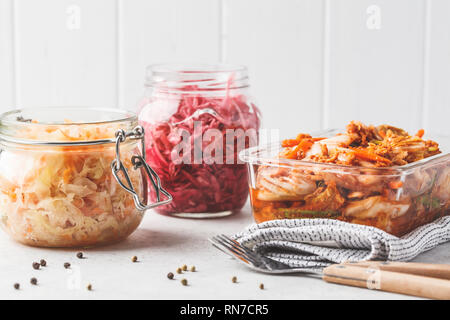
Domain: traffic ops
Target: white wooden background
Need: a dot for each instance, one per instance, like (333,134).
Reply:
(313,63)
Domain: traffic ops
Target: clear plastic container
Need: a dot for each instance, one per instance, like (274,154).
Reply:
(197,119)
(63,181)
(288,189)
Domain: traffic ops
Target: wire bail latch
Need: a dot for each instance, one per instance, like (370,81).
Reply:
(139,162)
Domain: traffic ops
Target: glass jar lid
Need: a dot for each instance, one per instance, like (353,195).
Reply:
(64,125)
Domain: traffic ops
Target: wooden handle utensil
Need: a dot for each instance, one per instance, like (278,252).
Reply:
(441,271)
(396,282)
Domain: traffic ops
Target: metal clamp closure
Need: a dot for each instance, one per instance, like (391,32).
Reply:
(138,161)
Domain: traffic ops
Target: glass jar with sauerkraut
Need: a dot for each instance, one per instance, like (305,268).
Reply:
(197,119)
(73,177)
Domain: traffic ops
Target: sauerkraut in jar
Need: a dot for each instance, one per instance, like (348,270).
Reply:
(60,183)
(197,119)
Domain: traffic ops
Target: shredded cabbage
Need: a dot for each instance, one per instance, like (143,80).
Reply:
(197,188)
(67,196)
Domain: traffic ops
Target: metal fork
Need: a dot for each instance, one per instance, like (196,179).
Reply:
(423,280)
(254,260)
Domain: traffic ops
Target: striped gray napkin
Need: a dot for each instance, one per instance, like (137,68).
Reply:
(317,243)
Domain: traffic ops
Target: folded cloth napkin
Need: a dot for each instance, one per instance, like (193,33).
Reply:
(316,243)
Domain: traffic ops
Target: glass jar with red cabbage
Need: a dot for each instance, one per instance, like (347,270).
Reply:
(197,118)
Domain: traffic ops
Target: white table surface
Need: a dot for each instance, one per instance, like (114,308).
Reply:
(162,244)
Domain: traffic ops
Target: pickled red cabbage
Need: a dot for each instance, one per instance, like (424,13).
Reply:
(200,187)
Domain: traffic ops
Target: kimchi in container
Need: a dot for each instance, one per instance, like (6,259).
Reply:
(396,198)
(73,177)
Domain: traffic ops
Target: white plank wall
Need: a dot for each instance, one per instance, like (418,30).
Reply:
(437,94)
(6,55)
(66,52)
(376,75)
(313,63)
(281,43)
(163,31)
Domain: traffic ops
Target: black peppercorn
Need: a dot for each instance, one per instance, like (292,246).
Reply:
(80,255)
(33,281)
(66,265)
(170,275)
(43,263)
(16,286)
(36,266)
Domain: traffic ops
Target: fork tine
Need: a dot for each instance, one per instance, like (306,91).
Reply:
(239,254)
(224,251)
(254,259)
(229,247)
(249,254)
(235,247)
(218,244)
(237,244)
(240,247)
(269,263)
